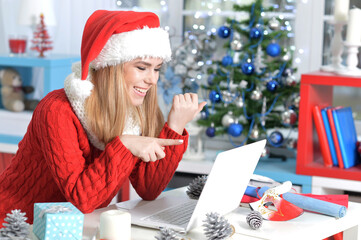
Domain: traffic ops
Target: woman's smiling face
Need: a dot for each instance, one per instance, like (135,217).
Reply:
(139,76)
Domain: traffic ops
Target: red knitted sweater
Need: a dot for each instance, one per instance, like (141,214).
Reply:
(56,163)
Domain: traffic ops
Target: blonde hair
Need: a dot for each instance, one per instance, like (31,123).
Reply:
(108,107)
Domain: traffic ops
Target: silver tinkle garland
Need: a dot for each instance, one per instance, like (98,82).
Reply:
(16,228)
(216,227)
(195,188)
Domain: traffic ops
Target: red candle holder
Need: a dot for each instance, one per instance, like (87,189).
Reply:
(17,44)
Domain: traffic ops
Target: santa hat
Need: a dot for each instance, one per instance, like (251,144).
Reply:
(113,37)
(110,38)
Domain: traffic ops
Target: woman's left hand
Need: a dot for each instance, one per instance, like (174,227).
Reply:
(185,107)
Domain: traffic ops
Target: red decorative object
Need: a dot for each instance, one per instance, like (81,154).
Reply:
(41,41)
(17,45)
(317,89)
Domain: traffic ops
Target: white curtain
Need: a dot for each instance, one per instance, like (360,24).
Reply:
(71,16)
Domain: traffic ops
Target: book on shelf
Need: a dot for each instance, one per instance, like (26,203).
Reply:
(322,138)
(331,144)
(346,135)
(334,136)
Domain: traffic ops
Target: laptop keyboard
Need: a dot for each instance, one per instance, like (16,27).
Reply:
(177,215)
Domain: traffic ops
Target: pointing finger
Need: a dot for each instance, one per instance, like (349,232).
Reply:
(169,142)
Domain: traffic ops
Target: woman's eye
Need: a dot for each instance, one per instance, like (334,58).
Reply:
(157,69)
(141,68)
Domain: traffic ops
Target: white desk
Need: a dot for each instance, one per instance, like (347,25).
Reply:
(308,226)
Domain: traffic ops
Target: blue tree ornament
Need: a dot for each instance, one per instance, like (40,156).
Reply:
(214,96)
(235,129)
(273,49)
(210,131)
(227,60)
(255,33)
(204,115)
(276,138)
(210,79)
(247,68)
(224,32)
(272,85)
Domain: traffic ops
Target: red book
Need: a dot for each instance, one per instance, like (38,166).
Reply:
(322,137)
(334,136)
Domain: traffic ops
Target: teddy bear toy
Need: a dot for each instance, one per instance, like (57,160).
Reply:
(13,92)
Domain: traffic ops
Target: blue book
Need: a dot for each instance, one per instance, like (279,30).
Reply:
(346,135)
(330,141)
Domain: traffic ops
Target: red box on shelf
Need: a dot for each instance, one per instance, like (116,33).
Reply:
(317,89)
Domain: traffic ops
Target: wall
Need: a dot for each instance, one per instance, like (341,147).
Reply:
(70,15)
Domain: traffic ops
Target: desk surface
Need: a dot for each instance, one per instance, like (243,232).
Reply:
(307,226)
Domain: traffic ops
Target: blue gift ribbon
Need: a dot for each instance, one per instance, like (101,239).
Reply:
(54,209)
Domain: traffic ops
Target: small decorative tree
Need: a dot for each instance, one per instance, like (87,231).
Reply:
(41,39)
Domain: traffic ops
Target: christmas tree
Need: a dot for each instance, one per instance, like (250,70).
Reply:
(253,92)
(41,39)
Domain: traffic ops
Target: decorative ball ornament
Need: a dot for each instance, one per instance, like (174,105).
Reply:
(287,71)
(296,100)
(290,80)
(235,129)
(204,115)
(214,96)
(210,79)
(254,133)
(227,61)
(211,131)
(272,85)
(256,94)
(274,24)
(266,152)
(254,220)
(248,68)
(239,102)
(289,117)
(273,49)
(286,57)
(224,32)
(236,45)
(255,33)
(228,119)
(276,138)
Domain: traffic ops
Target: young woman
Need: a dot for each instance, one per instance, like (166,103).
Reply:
(105,126)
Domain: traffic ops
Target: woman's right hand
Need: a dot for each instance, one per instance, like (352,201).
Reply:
(148,149)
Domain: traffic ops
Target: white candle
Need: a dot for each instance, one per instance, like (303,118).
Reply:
(353,35)
(115,225)
(341,10)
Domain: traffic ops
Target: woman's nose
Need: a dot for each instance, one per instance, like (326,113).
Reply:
(152,77)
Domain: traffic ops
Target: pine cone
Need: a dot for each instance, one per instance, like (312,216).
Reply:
(195,188)
(16,228)
(217,227)
(254,220)
(167,234)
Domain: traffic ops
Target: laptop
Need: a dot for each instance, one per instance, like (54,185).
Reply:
(222,193)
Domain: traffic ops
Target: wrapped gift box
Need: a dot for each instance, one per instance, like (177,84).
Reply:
(60,220)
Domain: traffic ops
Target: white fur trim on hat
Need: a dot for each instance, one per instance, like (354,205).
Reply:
(78,91)
(127,46)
